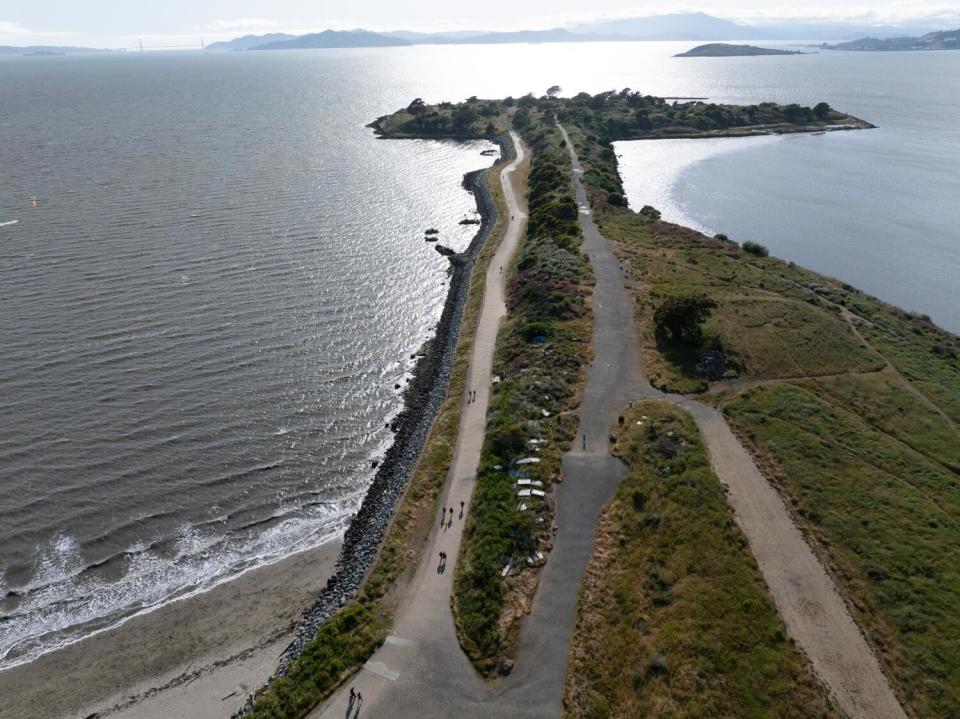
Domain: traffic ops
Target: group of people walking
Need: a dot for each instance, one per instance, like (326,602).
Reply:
(471,396)
(447,522)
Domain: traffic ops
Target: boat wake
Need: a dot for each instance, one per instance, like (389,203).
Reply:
(9,222)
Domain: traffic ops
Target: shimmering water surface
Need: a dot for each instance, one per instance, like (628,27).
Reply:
(204,315)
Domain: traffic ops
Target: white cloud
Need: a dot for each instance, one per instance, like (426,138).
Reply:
(895,12)
(242,25)
(17,34)
(12,28)
(892,13)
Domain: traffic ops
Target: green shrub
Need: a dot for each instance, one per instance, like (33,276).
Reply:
(756,249)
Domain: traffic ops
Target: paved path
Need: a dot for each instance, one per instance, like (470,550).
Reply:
(815,615)
(421,671)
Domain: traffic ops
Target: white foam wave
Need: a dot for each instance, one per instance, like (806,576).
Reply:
(66,606)
(8,223)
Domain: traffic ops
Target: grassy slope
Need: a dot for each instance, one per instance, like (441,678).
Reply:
(348,639)
(546,300)
(674,619)
(865,451)
(862,464)
(871,463)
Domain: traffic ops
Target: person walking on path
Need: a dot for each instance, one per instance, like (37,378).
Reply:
(353,696)
(443,516)
(451,521)
(461,509)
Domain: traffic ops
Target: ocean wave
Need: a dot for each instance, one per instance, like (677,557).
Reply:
(62,604)
(8,223)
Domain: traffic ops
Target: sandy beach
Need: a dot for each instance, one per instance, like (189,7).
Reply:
(197,657)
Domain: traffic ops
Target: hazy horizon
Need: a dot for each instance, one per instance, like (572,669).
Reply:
(178,23)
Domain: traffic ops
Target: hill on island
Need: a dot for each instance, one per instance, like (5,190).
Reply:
(250,41)
(720,49)
(335,38)
(946,40)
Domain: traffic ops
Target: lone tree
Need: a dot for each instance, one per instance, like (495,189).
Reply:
(679,319)
(650,212)
(417,106)
(822,110)
(553,90)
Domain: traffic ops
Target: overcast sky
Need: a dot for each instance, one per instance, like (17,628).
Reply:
(119,23)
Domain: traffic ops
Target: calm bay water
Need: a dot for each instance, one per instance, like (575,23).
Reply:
(878,209)
(204,315)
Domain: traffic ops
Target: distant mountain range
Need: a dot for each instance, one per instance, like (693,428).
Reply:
(695,26)
(334,38)
(557,34)
(947,40)
(677,26)
(365,38)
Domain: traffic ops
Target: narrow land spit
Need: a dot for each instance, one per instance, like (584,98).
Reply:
(421,671)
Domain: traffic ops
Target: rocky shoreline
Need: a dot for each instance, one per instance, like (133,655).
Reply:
(422,400)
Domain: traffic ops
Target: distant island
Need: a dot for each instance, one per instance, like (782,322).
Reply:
(46,50)
(722,49)
(946,40)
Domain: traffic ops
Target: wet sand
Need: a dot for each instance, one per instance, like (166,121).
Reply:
(197,657)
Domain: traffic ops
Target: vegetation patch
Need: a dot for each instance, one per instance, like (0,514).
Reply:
(870,471)
(470,119)
(674,618)
(541,352)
